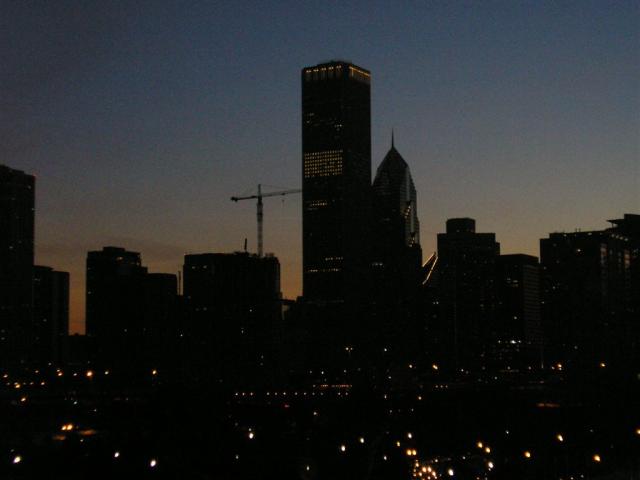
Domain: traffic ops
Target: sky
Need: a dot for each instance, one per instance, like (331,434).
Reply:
(141,119)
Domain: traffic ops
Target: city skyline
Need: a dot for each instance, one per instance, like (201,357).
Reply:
(113,156)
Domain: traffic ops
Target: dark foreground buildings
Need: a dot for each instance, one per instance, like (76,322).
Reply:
(131,315)
(482,309)
(516,335)
(17,197)
(590,293)
(467,295)
(234,311)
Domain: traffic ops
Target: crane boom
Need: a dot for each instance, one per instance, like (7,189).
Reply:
(270,194)
(260,212)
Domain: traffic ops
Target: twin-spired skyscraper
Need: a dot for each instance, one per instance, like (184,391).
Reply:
(336,183)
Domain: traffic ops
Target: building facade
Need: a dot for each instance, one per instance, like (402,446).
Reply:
(517,331)
(586,294)
(466,283)
(336,181)
(234,305)
(396,259)
(17,212)
(50,315)
(131,315)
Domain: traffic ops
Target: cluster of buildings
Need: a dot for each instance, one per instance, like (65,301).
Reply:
(368,297)
(34,300)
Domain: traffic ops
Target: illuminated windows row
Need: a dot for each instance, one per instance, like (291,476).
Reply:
(322,73)
(323,270)
(335,71)
(315,205)
(358,74)
(323,164)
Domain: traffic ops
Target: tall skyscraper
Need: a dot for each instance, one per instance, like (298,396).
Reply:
(17,200)
(395,257)
(466,271)
(50,314)
(336,182)
(395,203)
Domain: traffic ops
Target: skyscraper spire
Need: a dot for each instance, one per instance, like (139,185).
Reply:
(392,145)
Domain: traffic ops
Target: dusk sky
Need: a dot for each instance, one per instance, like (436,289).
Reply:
(141,119)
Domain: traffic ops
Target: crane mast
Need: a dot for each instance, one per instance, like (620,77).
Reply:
(260,209)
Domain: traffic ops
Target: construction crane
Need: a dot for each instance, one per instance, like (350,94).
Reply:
(260,214)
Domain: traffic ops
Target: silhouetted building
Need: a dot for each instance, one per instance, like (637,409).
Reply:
(517,330)
(50,315)
(17,192)
(629,227)
(395,258)
(130,313)
(162,326)
(466,284)
(429,309)
(234,305)
(336,194)
(336,181)
(587,295)
(113,294)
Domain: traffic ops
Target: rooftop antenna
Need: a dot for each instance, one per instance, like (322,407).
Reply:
(392,142)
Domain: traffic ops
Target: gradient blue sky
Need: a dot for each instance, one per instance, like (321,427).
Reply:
(141,119)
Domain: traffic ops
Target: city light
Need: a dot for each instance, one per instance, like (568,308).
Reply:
(246,345)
